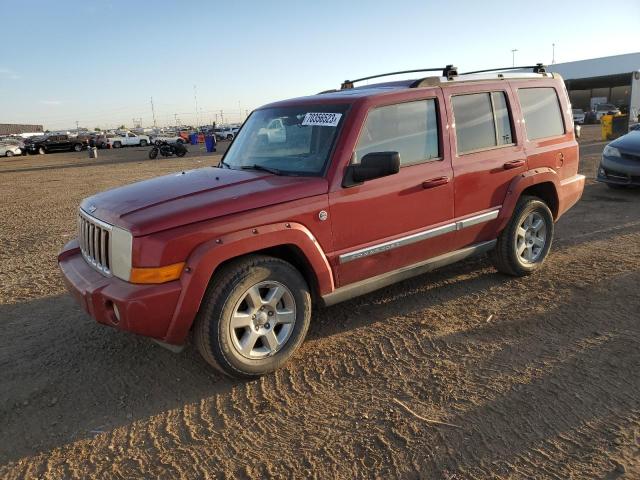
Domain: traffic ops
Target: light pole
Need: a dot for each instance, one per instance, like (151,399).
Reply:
(553,53)
(513,56)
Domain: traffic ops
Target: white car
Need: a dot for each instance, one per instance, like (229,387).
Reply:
(9,150)
(167,137)
(226,133)
(128,139)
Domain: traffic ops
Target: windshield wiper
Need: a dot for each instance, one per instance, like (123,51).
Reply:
(262,168)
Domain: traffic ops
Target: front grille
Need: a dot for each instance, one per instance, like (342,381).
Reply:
(94,237)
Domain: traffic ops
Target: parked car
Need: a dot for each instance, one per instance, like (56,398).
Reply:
(370,186)
(605,109)
(128,139)
(9,150)
(167,137)
(53,143)
(226,133)
(620,163)
(578,116)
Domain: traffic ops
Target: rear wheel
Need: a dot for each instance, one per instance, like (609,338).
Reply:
(153,153)
(41,151)
(9,153)
(143,143)
(254,316)
(77,147)
(524,244)
(229,137)
(117,144)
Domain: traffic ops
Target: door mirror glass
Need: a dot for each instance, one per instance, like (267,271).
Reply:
(373,165)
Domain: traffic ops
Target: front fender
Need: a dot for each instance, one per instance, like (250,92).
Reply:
(519,184)
(207,257)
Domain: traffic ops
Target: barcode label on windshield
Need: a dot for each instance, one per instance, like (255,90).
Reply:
(322,119)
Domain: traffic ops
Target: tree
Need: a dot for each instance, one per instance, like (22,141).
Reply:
(122,127)
(97,129)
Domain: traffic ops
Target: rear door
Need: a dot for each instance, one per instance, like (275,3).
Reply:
(486,157)
(391,222)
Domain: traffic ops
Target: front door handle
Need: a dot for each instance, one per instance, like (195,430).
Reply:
(514,164)
(435,182)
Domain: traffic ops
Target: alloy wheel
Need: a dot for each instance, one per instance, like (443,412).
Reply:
(263,320)
(531,238)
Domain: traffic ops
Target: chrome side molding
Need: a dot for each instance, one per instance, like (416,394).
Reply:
(375,283)
(418,237)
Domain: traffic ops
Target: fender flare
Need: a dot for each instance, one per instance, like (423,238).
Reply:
(208,256)
(519,184)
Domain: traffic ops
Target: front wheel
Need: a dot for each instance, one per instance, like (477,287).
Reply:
(524,244)
(117,144)
(255,315)
(77,147)
(41,151)
(143,143)
(9,153)
(153,153)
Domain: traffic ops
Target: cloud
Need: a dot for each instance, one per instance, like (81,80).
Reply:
(8,73)
(51,102)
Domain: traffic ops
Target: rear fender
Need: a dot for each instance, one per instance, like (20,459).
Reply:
(518,185)
(207,257)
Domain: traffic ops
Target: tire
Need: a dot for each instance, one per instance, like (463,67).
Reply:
(181,153)
(9,153)
(180,141)
(229,137)
(41,151)
(240,288)
(117,144)
(509,257)
(153,153)
(77,147)
(143,143)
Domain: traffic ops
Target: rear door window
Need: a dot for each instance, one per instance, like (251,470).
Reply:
(482,121)
(541,112)
(410,128)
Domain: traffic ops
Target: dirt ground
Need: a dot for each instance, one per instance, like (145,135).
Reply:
(535,377)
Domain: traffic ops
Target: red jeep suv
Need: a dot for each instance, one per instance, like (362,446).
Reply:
(323,198)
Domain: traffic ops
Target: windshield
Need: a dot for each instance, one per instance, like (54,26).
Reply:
(289,140)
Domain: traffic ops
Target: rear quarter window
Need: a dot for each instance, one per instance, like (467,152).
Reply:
(541,112)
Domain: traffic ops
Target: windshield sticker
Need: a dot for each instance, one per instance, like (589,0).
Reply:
(322,119)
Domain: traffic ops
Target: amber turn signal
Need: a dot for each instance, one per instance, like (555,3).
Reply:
(156,274)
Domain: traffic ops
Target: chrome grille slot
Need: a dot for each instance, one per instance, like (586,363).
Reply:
(94,237)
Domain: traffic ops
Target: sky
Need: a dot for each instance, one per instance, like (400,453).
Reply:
(100,62)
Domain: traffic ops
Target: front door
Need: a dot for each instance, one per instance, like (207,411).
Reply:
(391,222)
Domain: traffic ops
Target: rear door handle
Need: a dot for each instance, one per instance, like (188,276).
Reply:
(434,182)
(514,164)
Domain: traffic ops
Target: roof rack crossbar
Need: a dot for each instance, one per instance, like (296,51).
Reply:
(347,84)
(537,68)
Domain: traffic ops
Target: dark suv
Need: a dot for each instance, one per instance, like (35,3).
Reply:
(54,143)
(323,198)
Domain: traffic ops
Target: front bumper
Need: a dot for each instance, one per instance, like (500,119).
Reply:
(142,309)
(619,171)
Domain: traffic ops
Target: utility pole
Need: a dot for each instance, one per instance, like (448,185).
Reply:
(195,99)
(513,56)
(553,53)
(153,112)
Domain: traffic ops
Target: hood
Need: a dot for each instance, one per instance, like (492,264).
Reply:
(196,195)
(628,143)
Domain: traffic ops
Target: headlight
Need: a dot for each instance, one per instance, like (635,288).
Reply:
(610,151)
(120,249)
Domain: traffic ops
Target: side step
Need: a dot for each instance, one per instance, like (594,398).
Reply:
(384,280)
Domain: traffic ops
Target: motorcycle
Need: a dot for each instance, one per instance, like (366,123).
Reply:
(167,149)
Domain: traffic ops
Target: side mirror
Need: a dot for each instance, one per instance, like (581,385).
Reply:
(373,165)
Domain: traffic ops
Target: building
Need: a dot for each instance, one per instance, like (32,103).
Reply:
(17,128)
(614,80)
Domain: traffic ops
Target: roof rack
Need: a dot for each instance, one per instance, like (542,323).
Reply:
(448,71)
(537,68)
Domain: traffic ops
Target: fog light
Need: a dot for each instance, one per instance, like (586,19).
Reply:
(602,172)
